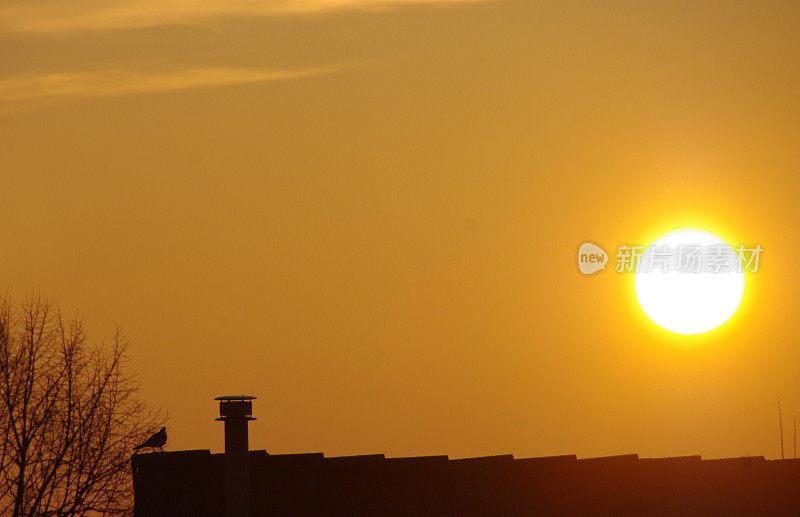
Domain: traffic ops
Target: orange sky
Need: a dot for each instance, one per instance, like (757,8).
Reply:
(366,213)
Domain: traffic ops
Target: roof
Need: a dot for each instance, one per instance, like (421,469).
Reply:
(191,483)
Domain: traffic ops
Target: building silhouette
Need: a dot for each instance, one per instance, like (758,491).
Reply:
(261,484)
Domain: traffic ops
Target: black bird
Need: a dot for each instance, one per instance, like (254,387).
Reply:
(156,441)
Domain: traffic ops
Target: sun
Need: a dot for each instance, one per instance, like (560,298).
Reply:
(682,290)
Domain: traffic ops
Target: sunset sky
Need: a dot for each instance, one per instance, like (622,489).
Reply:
(367,213)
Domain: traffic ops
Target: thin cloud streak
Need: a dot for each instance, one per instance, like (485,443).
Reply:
(37,16)
(114,83)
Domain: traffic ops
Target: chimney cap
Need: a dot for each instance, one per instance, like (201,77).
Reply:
(236,397)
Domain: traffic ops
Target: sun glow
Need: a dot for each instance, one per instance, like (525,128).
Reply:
(688,302)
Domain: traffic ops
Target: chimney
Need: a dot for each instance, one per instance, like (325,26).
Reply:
(236,411)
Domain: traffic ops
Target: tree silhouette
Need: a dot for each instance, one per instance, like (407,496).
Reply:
(69,415)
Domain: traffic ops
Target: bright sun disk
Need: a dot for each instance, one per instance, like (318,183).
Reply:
(688,302)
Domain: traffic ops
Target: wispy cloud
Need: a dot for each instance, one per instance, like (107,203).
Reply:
(31,90)
(43,16)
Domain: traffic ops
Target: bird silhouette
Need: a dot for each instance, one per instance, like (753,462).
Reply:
(156,441)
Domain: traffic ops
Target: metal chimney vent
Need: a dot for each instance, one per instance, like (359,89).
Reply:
(236,411)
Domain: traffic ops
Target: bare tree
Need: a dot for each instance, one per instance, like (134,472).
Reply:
(69,415)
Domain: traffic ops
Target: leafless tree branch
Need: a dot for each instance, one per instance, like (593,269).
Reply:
(69,415)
